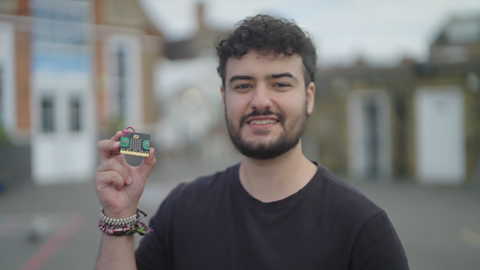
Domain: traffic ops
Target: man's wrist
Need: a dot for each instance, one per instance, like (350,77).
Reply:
(118,221)
(120,214)
(123,226)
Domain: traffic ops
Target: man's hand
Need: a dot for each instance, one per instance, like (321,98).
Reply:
(119,185)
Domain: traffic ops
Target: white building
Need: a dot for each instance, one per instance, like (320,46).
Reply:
(69,69)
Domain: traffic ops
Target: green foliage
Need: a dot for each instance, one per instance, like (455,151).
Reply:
(4,137)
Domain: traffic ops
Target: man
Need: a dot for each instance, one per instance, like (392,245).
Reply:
(274,210)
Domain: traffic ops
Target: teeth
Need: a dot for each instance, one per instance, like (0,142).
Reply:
(263,122)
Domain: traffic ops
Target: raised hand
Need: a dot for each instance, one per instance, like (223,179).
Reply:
(118,184)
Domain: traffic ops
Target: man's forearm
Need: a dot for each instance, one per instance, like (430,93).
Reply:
(116,252)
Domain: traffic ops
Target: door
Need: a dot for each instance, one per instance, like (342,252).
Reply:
(439,134)
(63,141)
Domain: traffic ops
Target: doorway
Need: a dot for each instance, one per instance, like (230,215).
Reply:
(369,149)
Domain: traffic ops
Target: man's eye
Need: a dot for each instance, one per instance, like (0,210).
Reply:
(282,85)
(242,86)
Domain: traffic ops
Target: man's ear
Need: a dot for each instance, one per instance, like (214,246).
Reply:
(222,90)
(310,97)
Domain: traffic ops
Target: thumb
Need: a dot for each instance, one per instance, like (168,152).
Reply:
(147,165)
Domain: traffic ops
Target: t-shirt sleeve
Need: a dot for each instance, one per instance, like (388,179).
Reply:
(377,247)
(153,251)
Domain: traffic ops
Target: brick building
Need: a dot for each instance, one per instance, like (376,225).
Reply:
(71,69)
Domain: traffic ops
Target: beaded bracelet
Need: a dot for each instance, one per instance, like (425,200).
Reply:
(124,226)
(121,221)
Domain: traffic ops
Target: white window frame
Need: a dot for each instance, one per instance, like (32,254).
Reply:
(134,90)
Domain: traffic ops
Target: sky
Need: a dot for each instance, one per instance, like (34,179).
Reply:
(381,31)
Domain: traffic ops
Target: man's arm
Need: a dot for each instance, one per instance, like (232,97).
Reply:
(116,253)
(378,247)
(119,187)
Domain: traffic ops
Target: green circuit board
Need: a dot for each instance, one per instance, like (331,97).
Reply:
(136,144)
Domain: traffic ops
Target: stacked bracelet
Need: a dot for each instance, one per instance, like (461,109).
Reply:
(123,226)
(114,221)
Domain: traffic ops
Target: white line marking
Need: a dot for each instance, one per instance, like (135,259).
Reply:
(51,247)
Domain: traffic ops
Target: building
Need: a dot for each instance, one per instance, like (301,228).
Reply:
(415,120)
(73,71)
(192,121)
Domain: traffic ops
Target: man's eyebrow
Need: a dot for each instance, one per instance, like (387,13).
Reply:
(280,75)
(240,77)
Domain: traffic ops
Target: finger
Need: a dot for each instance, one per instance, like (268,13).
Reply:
(115,153)
(105,179)
(147,164)
(114,165)
(107,148)
(117,136)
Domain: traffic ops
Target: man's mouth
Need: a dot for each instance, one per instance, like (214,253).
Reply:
(262,122)
(266,119)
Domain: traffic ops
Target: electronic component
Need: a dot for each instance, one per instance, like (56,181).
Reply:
(133,143)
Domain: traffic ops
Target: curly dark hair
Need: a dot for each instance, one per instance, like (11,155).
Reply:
(266,34)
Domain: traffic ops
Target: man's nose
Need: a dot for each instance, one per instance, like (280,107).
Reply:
(261,99)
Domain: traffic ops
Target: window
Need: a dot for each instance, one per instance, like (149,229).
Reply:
(122,60)
(48,114)
(464,32)
(75,114)
(371,109)
(61,21)
(121,81)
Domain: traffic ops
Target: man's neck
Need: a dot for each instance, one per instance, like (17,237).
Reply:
(275,179)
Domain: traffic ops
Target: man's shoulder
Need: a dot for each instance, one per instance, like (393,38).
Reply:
(343,197)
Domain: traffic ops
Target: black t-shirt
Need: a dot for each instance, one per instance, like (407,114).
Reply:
(213,223)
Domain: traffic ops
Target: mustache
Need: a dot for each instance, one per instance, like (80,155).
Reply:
(257,113)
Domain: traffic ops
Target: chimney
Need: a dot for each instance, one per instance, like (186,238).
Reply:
(97,11)
(360,62)
(406,61)
(23,8)
(201,15)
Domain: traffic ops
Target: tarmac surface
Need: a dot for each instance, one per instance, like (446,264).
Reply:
(55,226)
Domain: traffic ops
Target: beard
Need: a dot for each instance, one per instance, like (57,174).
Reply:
(284,143)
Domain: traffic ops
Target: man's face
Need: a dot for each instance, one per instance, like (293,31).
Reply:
(265,103)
